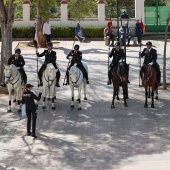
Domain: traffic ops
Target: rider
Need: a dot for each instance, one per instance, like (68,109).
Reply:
(150,58)
(76,58)
(50,57)
(19,62)
(118,55)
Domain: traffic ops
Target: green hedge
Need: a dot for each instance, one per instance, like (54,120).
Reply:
(58,32)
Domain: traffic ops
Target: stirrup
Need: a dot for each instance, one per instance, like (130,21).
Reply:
(87,82)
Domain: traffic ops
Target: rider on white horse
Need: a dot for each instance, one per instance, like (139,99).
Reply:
(76,58)
(50,57)
(18,60)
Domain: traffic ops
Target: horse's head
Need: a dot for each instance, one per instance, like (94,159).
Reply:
(9,71)
(73,73)
(146,73)
(51,73)
(122,71)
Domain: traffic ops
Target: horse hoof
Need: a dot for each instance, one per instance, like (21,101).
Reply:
(53,108)
(145,105)
(152,105)
(85,98)
(125,105)
(14,100)
(79,108)
(72,106)
(19,111)
(112,106)
(8,111)
(48,99)
(43,107)
(156,97)
(118,98)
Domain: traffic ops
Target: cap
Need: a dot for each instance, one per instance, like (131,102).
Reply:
(49,44)
(117,43)
(76,47)
(18,51)
(148,43)
(29,85)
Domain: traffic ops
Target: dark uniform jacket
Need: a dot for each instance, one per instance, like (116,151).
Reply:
(49,57)
(19,62)
(77,57)
(149,56)
(117,56)
(28,98)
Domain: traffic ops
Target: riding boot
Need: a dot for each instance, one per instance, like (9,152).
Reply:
(57,79)
(41,83)
(86,77)
(109,76)
(67,78)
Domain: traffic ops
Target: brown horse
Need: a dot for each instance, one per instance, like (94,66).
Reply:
(149,80)
(119,78)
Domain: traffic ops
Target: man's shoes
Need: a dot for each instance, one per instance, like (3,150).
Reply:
(128,44)
(57,85)
(34,136)
(3,85)
(87,82)
(128,81)
(41,84)
(160,84)
(29,133)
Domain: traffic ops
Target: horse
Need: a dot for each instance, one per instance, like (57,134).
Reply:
(14,82)
(119,78)
(149,79)
(49,80)
(76,79)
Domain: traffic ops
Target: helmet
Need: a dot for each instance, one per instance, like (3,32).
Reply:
(148,43)
(76,47)
(117,43)
(18,51)
(49,44)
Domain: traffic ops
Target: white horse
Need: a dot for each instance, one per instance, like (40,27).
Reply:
(49,81)
(76,79)
(14,81)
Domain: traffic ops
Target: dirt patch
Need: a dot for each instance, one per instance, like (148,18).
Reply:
(30,46)
(3,91)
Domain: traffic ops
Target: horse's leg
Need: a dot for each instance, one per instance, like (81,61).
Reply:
(9,105)
(156,92)
(152,95)
(118,94)
(44,96)
(72,96)
(49,93)
(84,89)
(18,98)
(14,100)
(114,95)
(79,97)
(149,93)
(53,106)
(125,95)
(146,97)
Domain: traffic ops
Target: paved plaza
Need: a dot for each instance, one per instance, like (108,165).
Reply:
(96,137)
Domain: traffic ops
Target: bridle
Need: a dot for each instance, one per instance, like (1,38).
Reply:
(149,76)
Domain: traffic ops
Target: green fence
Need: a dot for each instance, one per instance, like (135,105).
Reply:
(155,18)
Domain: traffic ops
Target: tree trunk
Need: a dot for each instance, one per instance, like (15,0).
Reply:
(41,37)
(164,57)
(6,19)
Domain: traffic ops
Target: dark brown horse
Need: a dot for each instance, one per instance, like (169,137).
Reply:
(149,80)
(119,78)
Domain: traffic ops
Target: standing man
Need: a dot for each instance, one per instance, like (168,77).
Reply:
(138,31)
(47,31)
(28,98)
(76,58)
(18,60)
(150,58)
(125,33)
(109,32)
(50,57)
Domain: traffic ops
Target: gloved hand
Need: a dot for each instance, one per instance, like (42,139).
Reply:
(151,63)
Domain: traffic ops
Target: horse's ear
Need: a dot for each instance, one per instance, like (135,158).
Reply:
(4,65)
